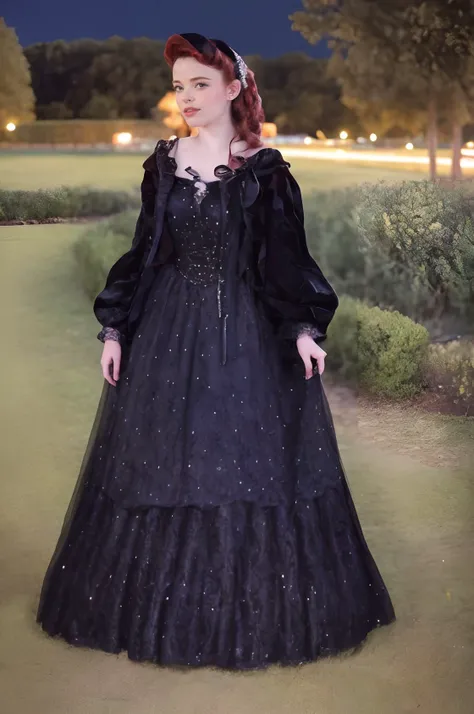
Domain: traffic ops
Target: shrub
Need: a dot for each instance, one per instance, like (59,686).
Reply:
(100,246)
(426,230)
(449,369)
(406,247)
(382,350)
(372,276)
(63,202)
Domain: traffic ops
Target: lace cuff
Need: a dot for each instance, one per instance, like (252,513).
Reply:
(109,333)
(306,328)
(291,330)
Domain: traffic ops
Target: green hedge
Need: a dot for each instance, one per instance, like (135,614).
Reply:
(84,131)
(63,202)
(100,246)
(383,351)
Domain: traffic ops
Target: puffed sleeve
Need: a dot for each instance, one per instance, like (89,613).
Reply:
(112,305)
(297,296)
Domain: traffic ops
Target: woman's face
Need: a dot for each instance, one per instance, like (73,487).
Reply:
(204,89)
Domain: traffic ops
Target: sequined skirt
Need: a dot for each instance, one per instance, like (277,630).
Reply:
(181,429)
(238,586)
(212,522)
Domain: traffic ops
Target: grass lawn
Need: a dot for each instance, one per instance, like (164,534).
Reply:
(34,171)
(124,172)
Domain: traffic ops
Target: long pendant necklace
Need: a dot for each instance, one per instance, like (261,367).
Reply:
(201,190)
(220,280)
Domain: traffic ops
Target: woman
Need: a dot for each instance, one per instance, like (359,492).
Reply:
(212,523)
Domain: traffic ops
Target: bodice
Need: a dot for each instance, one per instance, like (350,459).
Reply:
(194,217)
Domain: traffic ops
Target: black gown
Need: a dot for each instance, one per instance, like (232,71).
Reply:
(212,523)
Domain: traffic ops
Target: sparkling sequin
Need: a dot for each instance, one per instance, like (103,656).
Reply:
(196,242)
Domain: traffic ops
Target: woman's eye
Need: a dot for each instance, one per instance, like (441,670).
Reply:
(176,88)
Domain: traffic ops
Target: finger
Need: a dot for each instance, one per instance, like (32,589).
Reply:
(109,379)
(106,373)
(116,367)
(308,368)
(320,361)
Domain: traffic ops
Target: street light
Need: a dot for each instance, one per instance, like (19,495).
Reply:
(10,126)
(343,135)
(373,137)
(409,146)
(122,137)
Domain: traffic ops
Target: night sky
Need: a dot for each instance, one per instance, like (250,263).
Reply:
(250,26)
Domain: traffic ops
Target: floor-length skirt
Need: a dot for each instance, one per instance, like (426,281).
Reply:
(212,522)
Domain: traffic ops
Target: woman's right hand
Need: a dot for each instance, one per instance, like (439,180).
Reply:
(111,356)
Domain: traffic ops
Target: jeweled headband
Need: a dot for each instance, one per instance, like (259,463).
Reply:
(207,47)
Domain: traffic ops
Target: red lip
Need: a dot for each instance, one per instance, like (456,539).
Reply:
(190,112)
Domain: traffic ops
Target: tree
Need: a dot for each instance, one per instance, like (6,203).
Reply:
(460,110)
(299,96)
(441,46)
(119,78)
(99,79)
(406,102)
(99,106)
(16,95)
(393,42)
(57,72)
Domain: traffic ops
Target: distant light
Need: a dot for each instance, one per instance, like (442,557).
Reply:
(122,137)
(373,137)
(409,146)
(343,135)
(470,144)
(308,140)
(10,126)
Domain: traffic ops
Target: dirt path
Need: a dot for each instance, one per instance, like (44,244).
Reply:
(411,478)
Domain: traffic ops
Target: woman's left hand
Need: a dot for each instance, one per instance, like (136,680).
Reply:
(308,348)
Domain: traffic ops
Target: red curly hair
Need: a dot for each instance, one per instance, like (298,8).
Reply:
(246,110)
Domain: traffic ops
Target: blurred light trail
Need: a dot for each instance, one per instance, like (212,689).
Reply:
(387,158)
